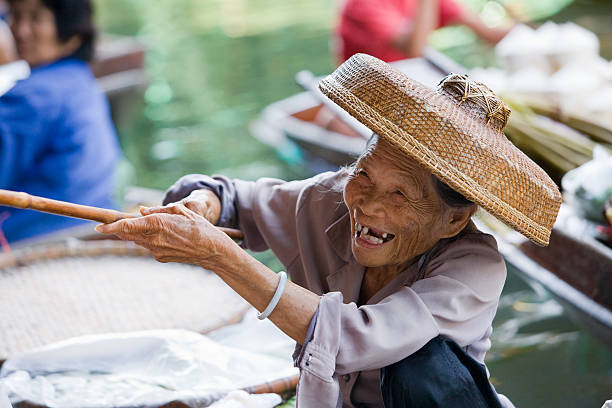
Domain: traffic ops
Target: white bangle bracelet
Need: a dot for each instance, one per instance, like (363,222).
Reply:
(277,295)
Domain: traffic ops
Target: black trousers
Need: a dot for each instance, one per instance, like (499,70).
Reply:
(440,374)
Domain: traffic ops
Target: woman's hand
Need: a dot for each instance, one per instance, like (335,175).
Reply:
(175,233)
(205,203)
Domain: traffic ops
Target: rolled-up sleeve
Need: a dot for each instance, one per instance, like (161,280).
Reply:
(348,338)
(458,300)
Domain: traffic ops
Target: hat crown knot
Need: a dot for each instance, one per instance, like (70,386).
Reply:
(477,99)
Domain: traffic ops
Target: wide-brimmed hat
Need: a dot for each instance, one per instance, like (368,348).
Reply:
(456,132)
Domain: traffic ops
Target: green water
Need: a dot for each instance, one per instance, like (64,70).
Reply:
(213,65)
(539,358)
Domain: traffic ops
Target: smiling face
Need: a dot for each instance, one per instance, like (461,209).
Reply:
(35,32)
(396,211)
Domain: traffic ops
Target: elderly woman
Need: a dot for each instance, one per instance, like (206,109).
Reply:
(56,135)
(393,288)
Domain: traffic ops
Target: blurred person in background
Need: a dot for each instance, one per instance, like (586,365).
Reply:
(56,135)
(398,29)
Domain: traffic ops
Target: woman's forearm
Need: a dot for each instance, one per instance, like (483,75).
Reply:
(256,283)
(414,39)
(175,233)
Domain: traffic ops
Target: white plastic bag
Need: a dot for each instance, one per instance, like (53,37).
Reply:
(241,399)
(589,186)
(149,368)
(4,401)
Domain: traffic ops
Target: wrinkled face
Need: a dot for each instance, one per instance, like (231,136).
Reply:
(35,32)
(395,210)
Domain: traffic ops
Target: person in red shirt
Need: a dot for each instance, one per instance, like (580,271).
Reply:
(397,29)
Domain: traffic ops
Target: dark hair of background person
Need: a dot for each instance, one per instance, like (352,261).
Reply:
(74,17)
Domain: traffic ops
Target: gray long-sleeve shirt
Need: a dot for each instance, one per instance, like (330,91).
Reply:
(307,226)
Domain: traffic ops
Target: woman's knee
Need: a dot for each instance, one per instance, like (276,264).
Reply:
(439,374)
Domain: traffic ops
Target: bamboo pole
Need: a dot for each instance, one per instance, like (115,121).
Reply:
(278,386)
(102,215)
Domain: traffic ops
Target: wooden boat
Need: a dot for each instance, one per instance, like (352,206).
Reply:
(578,273)
(119,67)
(324,131)
(575,268)
(303,120)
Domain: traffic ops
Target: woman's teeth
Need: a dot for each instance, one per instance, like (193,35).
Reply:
(364,232)
(372,239)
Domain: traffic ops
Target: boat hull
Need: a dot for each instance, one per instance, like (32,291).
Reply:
(576,272)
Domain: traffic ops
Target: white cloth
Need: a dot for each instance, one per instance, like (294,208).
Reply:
(4,400)
(146,368)
(242,399)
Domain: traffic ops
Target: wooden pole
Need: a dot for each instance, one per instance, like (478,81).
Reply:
(102,215)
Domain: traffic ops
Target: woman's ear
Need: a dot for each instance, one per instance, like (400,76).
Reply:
(457,219)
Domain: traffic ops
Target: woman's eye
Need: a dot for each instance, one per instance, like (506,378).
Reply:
(362,173)
(400,194)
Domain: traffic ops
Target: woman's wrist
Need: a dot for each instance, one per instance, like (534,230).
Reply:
(226,259)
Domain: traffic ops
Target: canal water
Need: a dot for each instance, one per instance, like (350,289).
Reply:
(213,65)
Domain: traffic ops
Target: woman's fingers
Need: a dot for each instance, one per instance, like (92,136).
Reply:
(197,207)
(174,208)
(149,210)
(205,203)
(131,227)
(173,234)
(113,228)
(202,202)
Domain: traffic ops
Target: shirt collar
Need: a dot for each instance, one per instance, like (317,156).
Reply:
(339,235)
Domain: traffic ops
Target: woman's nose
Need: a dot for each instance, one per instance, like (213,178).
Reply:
(372,203)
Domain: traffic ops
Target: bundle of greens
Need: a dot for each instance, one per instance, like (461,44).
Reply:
(558,141)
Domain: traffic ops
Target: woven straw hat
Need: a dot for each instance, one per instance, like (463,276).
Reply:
(448,132)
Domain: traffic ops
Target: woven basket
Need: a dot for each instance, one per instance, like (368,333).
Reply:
(54,292)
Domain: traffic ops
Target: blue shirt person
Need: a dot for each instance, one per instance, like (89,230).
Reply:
(56,140)
(56,135)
